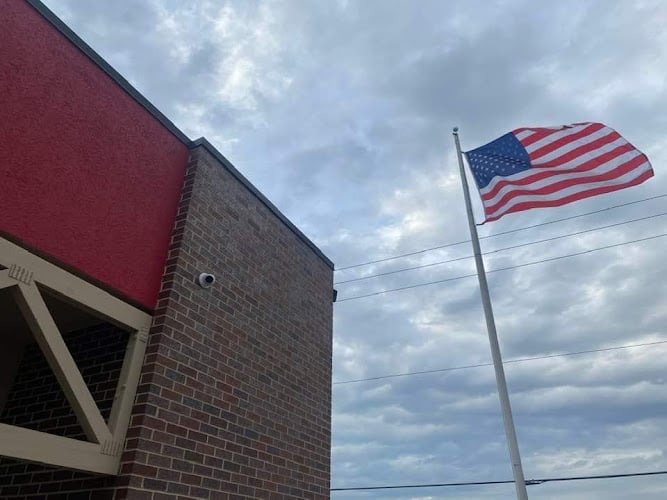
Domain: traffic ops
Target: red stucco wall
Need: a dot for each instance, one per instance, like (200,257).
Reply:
(88,176)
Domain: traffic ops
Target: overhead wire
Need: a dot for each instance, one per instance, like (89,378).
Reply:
(553,238)
(529,482)
(502,233)
(517,360)
(517,266)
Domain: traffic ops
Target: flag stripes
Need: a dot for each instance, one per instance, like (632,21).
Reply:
(549,201)
(587,171)
(552,166)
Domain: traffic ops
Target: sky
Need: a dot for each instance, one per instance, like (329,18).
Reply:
(341,113)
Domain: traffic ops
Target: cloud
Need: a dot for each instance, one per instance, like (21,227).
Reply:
(340,112)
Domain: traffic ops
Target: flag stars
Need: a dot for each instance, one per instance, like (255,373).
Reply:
(506,158)
(503,157)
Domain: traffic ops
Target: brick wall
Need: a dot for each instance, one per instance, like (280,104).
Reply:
(37,402)
(235,394)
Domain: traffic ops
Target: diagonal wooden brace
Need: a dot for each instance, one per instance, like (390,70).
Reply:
(127,382)
(28,276)
(50,341)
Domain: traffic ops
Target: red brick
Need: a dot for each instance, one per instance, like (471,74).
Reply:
(235,395)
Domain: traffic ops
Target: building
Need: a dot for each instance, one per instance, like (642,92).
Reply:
(124,372)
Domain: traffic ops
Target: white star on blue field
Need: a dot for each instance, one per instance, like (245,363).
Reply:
(503,156)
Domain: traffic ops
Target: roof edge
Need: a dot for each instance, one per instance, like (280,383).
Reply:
(78,42)
(203,142)
(166,122)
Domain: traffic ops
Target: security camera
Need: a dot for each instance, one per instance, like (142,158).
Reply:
(205,280)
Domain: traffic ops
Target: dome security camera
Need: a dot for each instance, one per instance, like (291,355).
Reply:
(205,280)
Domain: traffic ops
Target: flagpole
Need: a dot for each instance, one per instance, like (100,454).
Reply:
(510,433)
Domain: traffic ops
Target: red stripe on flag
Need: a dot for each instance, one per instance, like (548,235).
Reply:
(558,143)
(574,197)
(581,150)
(557,186)
(540,133)
(543,174)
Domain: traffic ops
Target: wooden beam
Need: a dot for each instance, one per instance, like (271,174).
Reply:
(48,449)
(127,383)
(72,289)
(59,358)
(29,274)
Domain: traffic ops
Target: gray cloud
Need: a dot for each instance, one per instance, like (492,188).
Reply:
(340,112)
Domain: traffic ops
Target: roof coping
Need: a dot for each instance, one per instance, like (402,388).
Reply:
(78,42)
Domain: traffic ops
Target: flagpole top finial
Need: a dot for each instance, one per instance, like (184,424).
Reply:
(455,130)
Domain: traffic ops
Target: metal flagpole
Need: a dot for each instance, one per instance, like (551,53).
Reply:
(510,433)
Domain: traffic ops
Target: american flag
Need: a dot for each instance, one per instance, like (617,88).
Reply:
(551,166)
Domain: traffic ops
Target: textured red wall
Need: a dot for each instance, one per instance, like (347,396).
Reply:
(235,394)
(88,176)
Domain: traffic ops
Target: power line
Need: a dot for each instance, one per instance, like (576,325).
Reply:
(501,249)
(381,292)
(448,261)
(437,485)
(529,482)
(517,360)
(501,233)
